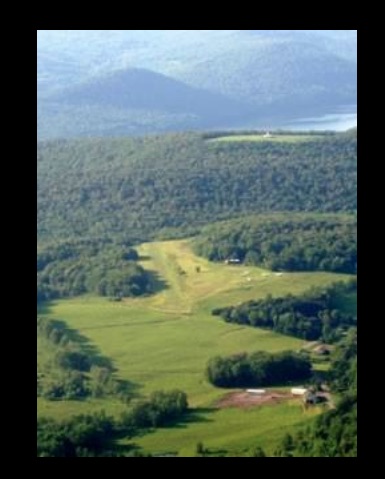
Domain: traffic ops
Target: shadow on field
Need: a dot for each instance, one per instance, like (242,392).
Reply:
(44,307)
(144,257)
(192,416)
(158,284)
(216,452)
(126,388)
(96,358)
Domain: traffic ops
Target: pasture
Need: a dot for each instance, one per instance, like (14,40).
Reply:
(164,341)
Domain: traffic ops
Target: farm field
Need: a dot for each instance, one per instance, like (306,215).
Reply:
(232,430)
(276,138)
(164,341)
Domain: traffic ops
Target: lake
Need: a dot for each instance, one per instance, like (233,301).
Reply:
(340,120)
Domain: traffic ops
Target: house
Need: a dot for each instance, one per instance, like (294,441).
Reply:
(298,391)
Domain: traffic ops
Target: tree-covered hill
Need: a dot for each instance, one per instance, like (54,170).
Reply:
(279,73)
(133,100)
(136,187)
(295,242)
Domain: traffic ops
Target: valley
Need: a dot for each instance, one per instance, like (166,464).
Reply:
(197,243)
(164,341)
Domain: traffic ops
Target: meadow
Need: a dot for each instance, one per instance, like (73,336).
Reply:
(276,138)
(164,341)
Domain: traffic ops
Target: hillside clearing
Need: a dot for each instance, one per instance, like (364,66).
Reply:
(274,138)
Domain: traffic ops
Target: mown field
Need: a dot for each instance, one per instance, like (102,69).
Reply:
(164,341)
(275,138)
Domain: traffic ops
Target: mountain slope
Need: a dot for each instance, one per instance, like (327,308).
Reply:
(136,187)
(277,73)
(140,88)
(129,81)
(125,101)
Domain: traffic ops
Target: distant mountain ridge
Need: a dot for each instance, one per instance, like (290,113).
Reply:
(140,88)
(117,82)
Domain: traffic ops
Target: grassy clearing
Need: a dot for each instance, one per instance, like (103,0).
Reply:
(274,138)
(164,341)
(229,429)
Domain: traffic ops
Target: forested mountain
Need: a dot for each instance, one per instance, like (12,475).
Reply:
(136,187)
(278,73)
(136,99)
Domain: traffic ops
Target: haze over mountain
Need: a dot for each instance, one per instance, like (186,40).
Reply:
(113,82)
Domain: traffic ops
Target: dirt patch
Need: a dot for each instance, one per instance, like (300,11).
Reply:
(245,400)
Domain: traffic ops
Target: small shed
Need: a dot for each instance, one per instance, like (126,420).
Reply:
(298,391)
(233,261)
(256,391)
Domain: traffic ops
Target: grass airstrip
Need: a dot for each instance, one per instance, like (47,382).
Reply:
(164,341)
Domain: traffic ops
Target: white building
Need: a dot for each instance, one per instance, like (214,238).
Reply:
(298,391)
(256,391)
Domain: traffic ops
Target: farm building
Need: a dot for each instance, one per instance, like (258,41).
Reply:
(298,391)
(233,261)
(256,391)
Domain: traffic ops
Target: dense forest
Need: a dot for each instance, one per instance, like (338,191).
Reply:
(258,369)
(314,315)
(97,435)
(296,242)
(103,267)
(137,187)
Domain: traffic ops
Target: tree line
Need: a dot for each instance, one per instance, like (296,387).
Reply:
(313,315)
(96,435)
(100,266)
(290,242)
(258,369)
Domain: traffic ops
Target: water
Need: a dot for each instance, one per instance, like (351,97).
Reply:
(340,120)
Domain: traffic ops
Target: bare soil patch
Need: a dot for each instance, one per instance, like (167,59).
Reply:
(245,400)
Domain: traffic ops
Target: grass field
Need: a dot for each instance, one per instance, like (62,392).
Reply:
(274,138)
(164,341)
(231,430)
